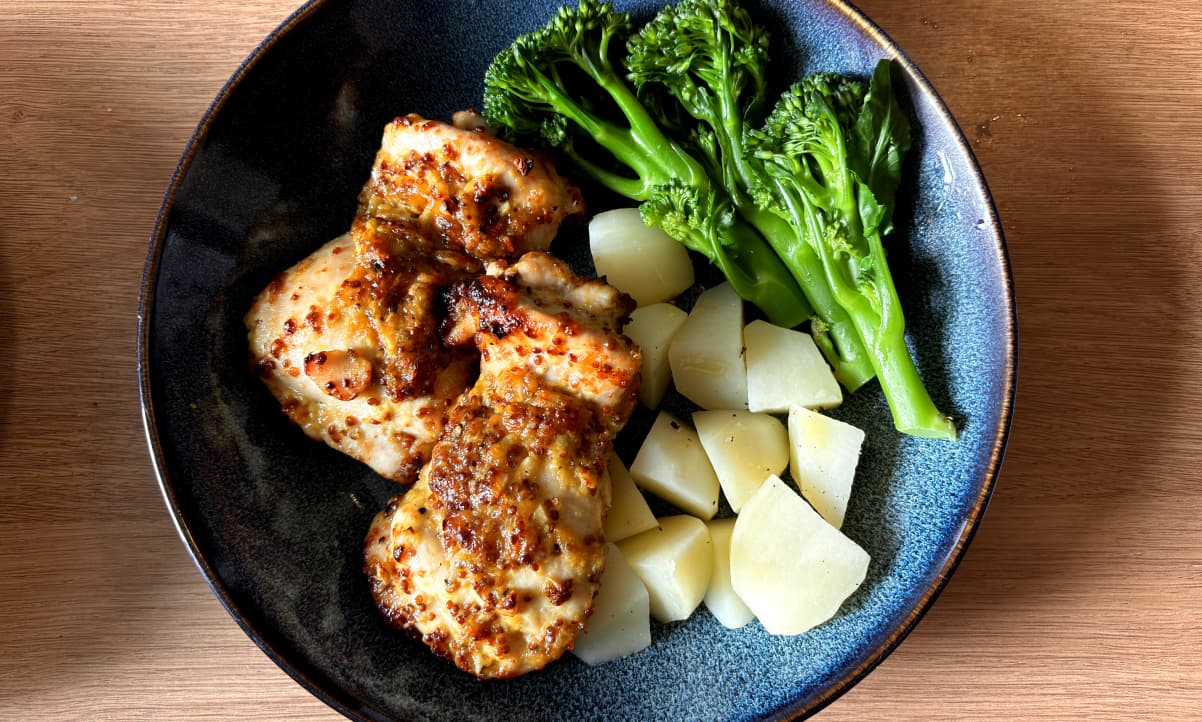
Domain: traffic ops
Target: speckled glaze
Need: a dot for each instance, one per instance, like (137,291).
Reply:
(275,521)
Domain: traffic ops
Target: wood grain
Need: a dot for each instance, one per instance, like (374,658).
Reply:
(1080,597)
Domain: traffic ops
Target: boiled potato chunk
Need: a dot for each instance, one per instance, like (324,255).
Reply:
(653,328)
(619,625)
(823,454)
(672,465)
(707,353)
(628,513)
(791,568)
(720,597)
(674,561)
(744,449)
(785,369)
(644,262)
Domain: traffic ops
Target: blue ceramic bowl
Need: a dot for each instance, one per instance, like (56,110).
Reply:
(275,521)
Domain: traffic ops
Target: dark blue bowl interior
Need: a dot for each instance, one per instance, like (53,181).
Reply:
(275,521)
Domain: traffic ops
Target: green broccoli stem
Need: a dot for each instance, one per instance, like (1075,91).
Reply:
(913,410)
(882,329)
(642,147)
(623,186)
(657,159)
(527,90)
(837,339)
(759,276)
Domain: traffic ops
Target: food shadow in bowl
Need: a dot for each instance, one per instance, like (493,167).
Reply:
(275,521)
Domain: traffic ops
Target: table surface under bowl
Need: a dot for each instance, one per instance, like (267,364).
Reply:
(1080,591)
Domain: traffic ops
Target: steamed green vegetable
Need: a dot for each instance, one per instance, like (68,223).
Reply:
(793,212)
(831,154)
(564,85)
(701,67)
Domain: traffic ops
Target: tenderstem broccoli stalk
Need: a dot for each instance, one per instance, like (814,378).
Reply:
(709,59)
(563,85)
(831,151)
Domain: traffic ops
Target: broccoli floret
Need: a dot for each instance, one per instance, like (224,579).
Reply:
(830,152)
(710,58)
(564,85)
(816,184)
(707,60)
(705,221)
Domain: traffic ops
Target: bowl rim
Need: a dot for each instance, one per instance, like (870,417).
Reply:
(316,682)
(340,699)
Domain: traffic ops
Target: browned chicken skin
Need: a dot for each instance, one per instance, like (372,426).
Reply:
(440,200)
(467,190)
(372,345)
(317,351)
(494,556)
(347,340)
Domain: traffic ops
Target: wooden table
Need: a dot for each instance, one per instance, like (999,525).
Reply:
(1081,597)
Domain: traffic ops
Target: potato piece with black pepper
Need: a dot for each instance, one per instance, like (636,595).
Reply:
(672,465)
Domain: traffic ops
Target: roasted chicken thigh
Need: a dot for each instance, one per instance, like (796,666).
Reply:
(437,343)
(315,347)
(348,339)
(494,556)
